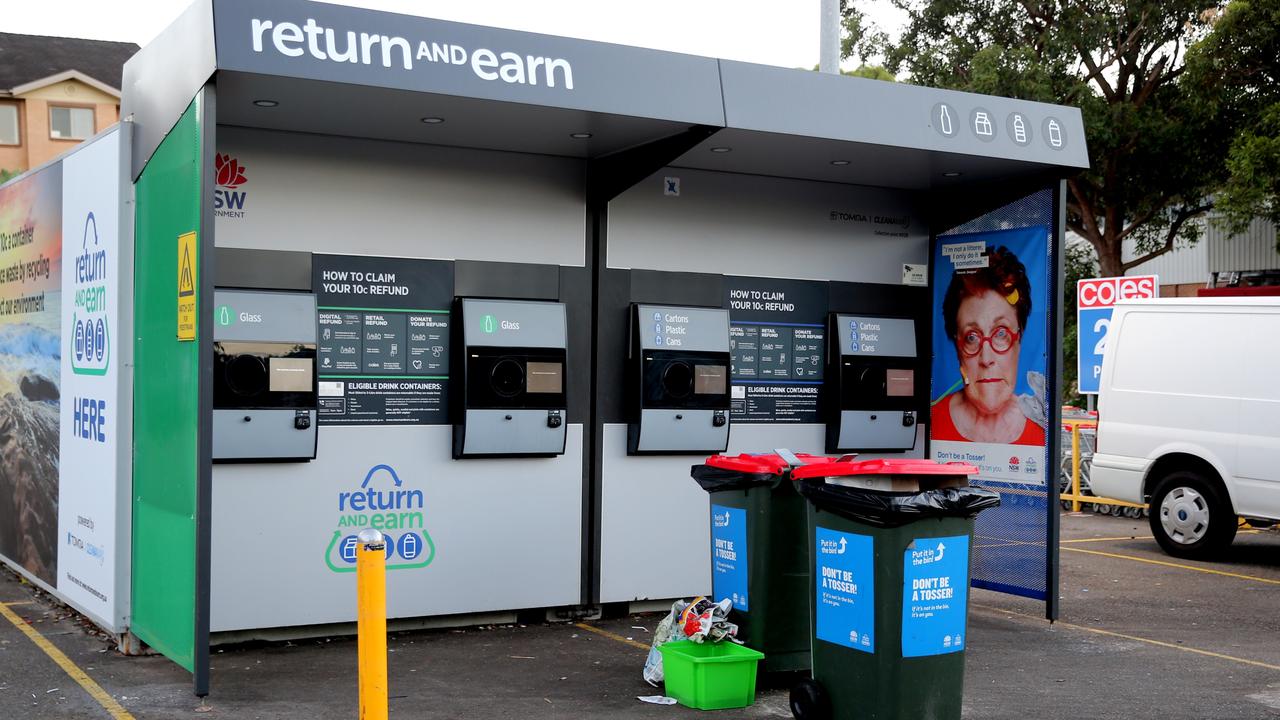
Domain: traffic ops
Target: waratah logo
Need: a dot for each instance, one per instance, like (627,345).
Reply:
(228,199)
(230,171)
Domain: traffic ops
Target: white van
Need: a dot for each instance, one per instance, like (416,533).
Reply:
(1189,416)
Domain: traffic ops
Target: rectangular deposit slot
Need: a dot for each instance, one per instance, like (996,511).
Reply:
(512,396)
(679,376)
(872,390)
(264,376)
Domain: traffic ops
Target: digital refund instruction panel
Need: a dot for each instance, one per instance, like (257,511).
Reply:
(383,330)
(777,339)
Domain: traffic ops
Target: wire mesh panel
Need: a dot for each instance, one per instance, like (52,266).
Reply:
(994,390)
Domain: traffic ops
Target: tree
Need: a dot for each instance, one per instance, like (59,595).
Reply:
(1253,189)
(7,175)
(1242,54)
(1080,264)
(870,72)
(860,39)
(1158,138)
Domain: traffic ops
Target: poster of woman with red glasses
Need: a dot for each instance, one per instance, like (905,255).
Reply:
(989,360)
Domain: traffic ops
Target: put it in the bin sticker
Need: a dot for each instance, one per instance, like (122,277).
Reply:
(844,589)
(935,595)
(729,555)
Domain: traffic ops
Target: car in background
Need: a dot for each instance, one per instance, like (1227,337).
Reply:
(1189,417)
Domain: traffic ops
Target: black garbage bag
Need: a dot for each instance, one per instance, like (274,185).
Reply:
(890,510)
(714,479)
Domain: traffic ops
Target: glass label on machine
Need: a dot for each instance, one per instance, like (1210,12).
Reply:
(935,594)
(729,555)
(844,585)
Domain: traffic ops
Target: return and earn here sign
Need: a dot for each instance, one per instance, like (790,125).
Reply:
(1095,298)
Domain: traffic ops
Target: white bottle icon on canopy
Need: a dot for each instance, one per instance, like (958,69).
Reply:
(1055,134)
(944,120)
(1019,129)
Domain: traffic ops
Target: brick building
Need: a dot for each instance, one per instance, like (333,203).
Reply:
(54,93)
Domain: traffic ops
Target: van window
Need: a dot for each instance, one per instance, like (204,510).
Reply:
(1184,353)
(1261,358)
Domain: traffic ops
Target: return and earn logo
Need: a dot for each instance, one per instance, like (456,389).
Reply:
(404,510)
(91,328)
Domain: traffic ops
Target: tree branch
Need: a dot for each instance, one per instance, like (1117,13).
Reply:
(1133,41)
(1143,218)
(1153,80)
(1095,74)
(1088,216)
(1184,214)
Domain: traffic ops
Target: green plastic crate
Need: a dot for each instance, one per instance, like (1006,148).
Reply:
(710,676)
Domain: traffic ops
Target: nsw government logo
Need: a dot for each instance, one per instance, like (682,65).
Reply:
(384,503)
(228,198)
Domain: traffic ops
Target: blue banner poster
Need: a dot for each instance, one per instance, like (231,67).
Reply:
(844,584)
(729,555)
(988,403)
(935,595)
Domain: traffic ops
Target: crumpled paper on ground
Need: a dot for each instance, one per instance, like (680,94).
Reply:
(697,620)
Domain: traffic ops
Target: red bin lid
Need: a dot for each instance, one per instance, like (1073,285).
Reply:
(891,466)
(764,463)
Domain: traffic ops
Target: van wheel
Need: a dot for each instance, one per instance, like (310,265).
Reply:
(1190,516)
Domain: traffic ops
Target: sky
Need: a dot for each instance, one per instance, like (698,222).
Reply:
(772,32)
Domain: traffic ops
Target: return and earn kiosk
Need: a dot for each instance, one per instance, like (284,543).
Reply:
(636,257)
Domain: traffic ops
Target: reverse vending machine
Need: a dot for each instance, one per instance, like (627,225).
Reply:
(264,376)
(871,392)
(509,399)
(679,380)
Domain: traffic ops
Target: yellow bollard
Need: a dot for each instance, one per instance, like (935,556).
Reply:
(1075,467)
(371,616)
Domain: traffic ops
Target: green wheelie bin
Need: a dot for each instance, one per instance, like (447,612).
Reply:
(759,551)
(889,588)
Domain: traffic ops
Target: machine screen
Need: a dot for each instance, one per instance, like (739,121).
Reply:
(709,379)
(545,377)
(900,383)
(289,374)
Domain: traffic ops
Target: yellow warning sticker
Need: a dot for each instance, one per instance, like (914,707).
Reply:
(187,286)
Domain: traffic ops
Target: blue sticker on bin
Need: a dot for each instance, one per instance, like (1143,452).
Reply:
(845,589)
(729,555)
(935,595)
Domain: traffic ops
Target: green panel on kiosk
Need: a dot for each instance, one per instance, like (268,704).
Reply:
(166,400)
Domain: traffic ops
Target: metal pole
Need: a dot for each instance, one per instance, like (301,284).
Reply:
(371,620)
(1075,467)
(829,47)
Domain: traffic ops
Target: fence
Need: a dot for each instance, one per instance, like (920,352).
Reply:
(1080,434)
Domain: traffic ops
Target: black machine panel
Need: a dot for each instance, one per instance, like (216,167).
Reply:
(685,380)
(872,394)
(502,378)
(263,375)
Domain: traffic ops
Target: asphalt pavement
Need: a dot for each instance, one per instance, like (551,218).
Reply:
(1141,635)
